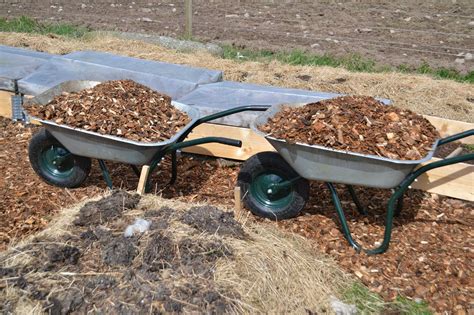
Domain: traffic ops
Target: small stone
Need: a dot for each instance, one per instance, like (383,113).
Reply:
(459,60)
(315,45)
(468,56)
(231,15)
(331,33)
(112,5)
(471,23)
(174,10)
(145,10)
(365,30)
(246,15)
(408,19)
(83,6)
(392,31)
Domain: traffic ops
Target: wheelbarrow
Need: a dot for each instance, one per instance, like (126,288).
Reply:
(275,185)
(61,155)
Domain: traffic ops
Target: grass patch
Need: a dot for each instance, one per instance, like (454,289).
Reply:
(353,62)
(368,302)
(28,25)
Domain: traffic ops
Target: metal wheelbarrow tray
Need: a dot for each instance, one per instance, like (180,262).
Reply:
(315,162)
(61,154)
(105,147)
(275,184)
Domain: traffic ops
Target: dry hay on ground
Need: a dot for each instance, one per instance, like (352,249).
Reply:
(194,258)
(422,94)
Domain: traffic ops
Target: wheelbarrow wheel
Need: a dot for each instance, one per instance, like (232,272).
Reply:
(257,180)
(54,163)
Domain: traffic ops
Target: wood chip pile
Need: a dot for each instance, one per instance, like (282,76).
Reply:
(429,258)
(121,108)
(357,124)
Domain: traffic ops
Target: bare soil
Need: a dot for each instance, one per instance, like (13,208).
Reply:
(391,32)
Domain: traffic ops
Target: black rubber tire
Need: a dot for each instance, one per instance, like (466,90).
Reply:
(266,162)
(81,166)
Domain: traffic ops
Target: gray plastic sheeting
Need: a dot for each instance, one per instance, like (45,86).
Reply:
(16,63)
(212,98)
(174,80)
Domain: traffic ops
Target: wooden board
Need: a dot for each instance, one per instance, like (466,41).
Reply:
(455,180)
(251,142)
(6,104)
(448,127)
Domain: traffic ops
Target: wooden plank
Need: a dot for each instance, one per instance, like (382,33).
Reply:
(6,104)
(251,142)
(142,181)
(448,127)
(455,181)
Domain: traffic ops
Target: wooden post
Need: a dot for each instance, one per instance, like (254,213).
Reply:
(188,15)
(142,181)
(238,202)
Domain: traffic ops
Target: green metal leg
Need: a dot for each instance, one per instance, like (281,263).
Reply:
(345,227)
(342,218)
(399,208)
(394,203)
(105,173)
(356,200)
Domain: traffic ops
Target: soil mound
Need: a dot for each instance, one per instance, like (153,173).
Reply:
(212,220)
(121,108)
(94,267)
(109,208)
(357,124)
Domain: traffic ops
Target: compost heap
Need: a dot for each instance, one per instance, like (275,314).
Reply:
(358,124)
(120,108)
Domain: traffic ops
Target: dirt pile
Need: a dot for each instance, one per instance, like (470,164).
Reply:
(357,124)
(95,267)
(121,108)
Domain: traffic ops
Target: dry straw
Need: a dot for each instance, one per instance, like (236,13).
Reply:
(423,94)
(273,272)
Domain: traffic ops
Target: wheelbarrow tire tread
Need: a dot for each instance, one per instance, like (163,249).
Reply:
(268,162)
(76,176)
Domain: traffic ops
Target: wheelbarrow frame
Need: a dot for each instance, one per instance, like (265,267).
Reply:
(161,150)
(406,172)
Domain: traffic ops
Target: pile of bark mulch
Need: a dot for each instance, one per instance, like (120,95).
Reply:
(430,255)
(356,124)
(120,108)
(27,203)
(95,268)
